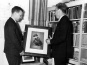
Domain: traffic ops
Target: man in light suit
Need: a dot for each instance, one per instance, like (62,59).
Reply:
(13,36)
(62,41)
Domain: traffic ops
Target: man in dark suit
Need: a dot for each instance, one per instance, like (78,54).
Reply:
(13,36)
(62,41)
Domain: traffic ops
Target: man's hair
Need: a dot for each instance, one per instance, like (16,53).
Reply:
(17,9)
(62,6)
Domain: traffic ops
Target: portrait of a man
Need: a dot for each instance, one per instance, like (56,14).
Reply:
(37,40)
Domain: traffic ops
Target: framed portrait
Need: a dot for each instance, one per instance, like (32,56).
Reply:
(35,40)
(27,59)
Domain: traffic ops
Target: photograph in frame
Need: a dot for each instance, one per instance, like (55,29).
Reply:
(26,59)
(35,40)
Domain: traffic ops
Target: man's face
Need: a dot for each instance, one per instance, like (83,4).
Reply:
(57,13)
(19,16)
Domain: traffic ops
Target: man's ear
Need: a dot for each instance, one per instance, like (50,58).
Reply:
(14,14)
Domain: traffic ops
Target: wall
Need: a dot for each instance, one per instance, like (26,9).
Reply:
(53,2)
(5,12)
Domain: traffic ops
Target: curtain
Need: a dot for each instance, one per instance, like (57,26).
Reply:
(37,12)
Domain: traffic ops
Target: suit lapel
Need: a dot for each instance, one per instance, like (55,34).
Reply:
(18,26)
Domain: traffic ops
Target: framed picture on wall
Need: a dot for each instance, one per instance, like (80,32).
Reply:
(35,40)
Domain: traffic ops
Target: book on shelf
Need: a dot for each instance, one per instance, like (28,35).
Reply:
(83,63)
(84,55)
(84,40)
(74,12)
(76,40)
(86,6)
(52,16)
(84,27)
(85,11)
(76,55)
(85,14)
(53,26)
(76,26)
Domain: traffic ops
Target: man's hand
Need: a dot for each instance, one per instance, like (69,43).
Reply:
(48,41)
(22,53)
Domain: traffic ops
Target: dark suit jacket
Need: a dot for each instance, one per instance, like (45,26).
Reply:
(62,42)
(13,38)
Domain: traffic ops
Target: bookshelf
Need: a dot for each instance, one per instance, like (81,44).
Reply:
(78,15)
(77,12)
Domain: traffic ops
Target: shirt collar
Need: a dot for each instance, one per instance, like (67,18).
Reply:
(61,17)
(13,19)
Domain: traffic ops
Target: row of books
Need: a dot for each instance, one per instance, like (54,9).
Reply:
(75,59)
(84,27)
(84,40)
(74,12)
(83,57)
(86,6)
(76,26)
(83,64)
(51,16)
(76,55)
(85,14)
(74,62)
(77,39)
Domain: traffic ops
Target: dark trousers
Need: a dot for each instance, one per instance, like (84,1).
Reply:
(60,61)
(13,59)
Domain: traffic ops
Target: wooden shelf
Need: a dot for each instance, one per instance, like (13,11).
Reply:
(75,19)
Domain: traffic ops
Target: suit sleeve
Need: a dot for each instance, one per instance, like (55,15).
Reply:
(14,39)
(60,34)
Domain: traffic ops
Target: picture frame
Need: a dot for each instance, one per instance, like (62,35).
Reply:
(35,40)
(27,59)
